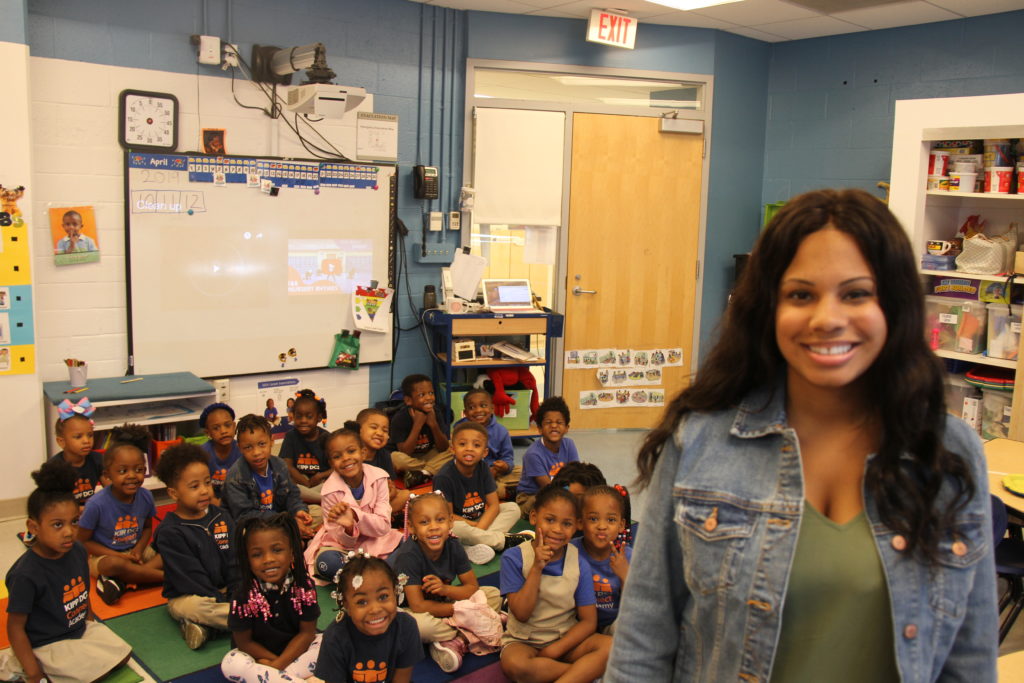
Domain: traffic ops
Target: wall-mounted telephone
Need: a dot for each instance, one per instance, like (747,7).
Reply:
(424,182)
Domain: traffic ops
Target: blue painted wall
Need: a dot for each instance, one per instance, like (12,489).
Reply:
(410,56)
(831,100)
(12,21)
(740,68)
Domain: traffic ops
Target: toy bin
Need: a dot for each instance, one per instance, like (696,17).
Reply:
(955,324)
(1003,330)
(995,413)
(964,401)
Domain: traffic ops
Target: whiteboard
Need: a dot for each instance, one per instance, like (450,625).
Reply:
(234,261)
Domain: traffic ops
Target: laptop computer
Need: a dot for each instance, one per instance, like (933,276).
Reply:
(505,296)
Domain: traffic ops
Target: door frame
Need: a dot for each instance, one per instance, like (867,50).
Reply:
(560,277)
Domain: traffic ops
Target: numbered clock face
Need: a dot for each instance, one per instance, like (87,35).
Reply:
(149,120)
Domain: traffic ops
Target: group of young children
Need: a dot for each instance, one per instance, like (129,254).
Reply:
(253,534)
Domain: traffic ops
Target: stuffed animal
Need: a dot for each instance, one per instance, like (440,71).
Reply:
(503,377)
(9,211)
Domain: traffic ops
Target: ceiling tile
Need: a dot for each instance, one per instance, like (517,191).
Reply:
(809,28)
(638,9)
(754,12)
(509,6)
(889,16)
(757,35)
(976,8)
(690,19)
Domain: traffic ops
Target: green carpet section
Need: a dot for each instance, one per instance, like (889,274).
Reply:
(156,641)
(122,675)
(494,566)
(328,607)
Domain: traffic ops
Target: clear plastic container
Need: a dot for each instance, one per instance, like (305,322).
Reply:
(964,400)
(955,324)
(995,413)
(1003,331)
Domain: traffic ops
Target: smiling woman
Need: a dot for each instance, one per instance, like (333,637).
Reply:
(809,482)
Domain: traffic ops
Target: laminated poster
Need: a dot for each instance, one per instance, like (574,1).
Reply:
(370,307)
(576,359)
(625,397)
(73,230)
(629,376)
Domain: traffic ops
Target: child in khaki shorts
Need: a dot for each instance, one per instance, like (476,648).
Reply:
(195,543)
(419,433)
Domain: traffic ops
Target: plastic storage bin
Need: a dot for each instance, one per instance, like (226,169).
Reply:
(1003,330)
(955,324)
(964,400)
(995,413)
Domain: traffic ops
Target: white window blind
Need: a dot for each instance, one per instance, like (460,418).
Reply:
(517,166)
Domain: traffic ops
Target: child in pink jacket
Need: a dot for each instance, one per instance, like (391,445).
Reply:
(357,508)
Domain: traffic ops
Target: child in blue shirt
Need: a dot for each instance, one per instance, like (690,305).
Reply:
(500,459)
(117,524)
(545,457)
(605,546)
(552,616)
(75,437)
(218,421)
(49,622)
(419,433)
(303,447)
(74,239)
(200,566)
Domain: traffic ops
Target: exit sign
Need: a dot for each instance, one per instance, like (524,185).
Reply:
(609,28)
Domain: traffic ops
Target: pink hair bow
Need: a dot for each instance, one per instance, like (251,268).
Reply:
(67,409)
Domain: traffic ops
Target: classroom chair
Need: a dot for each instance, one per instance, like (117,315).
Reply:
(1009,553)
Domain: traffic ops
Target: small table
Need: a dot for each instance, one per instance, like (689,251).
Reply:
(1005,456)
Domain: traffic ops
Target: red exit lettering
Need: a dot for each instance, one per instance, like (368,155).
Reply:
(614,28)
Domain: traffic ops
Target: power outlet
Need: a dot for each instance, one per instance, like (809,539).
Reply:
(455,220)
(435,253)
(230,56)
(223,388)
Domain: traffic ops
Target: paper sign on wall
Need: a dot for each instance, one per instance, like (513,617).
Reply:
(371,307)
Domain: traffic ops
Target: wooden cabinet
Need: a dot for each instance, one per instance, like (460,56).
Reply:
(933,214)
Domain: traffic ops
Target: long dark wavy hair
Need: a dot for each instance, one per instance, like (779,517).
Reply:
(905,381)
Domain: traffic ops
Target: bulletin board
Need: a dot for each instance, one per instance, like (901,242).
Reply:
(239,265)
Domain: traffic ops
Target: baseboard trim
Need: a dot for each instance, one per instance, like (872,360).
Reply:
(13,508)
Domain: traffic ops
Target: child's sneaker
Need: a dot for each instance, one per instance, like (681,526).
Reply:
(195,635)
(26,538)
(110,589)
(512,540)
(414,478)
(448,654)
(480,553)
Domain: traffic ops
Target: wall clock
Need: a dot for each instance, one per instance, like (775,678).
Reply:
(148,121)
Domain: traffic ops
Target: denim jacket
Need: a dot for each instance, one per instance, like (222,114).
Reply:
(241,494)
(705,595)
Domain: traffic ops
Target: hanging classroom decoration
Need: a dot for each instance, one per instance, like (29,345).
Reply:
(370,308)
(73,230)
(17,332)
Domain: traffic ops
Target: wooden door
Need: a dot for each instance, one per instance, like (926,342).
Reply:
(634,218)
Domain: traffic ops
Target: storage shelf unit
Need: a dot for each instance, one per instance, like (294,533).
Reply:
(169,398)
(934,214)
(445,327)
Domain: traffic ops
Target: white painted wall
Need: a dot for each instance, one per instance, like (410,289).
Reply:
(21,414)
(71,151)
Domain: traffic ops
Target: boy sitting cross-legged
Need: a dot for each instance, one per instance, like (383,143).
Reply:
(481,522)
(200,567)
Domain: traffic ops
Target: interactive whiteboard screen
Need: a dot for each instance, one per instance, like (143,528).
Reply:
(241,265)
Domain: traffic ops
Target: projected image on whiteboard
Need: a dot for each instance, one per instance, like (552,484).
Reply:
(326,266)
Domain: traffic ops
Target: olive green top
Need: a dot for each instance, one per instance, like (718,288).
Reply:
(836,620)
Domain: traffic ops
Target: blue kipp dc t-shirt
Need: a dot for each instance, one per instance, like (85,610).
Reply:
(115,524)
